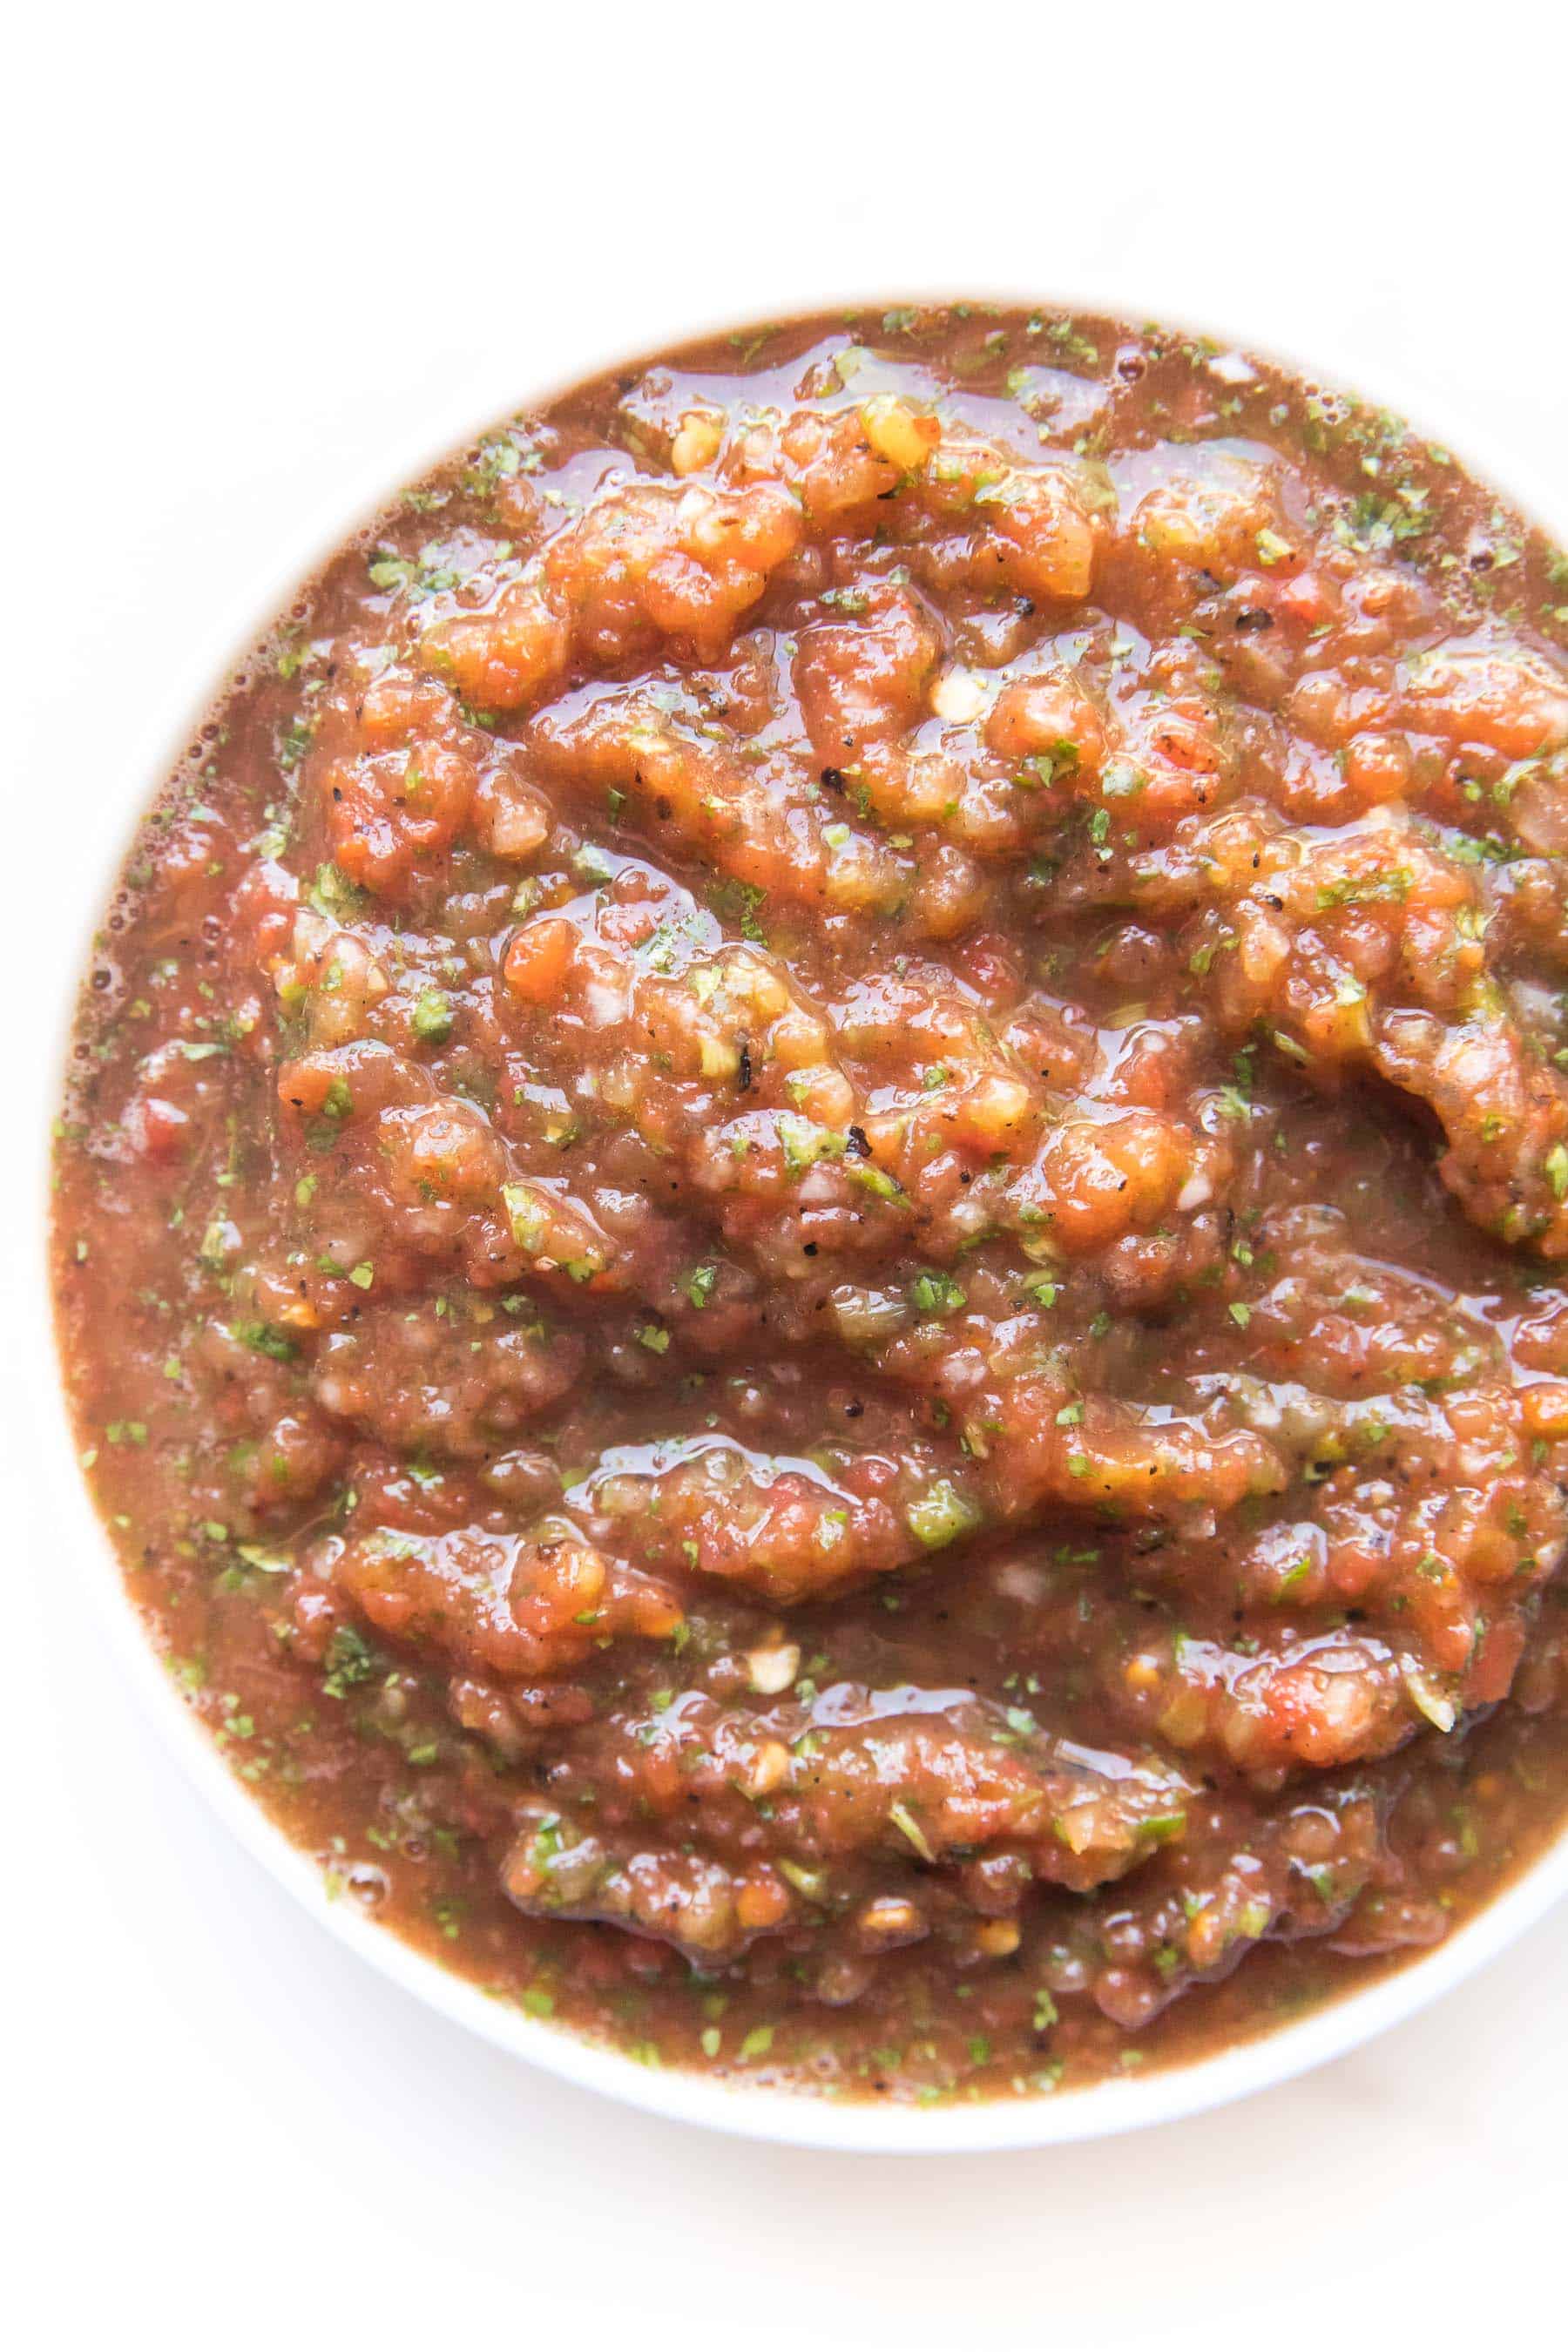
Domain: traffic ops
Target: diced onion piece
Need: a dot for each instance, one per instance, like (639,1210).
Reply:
(1428,1694)
(998,1938)
(898,433)
(698,442)
(958,697)
(771,1671)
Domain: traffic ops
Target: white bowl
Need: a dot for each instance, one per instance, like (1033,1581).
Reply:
(1120,2104)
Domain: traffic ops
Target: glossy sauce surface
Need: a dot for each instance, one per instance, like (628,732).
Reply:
(808,1207)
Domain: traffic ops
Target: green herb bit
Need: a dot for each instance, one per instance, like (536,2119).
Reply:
(941,1515)
(432,1016)
(935,1293)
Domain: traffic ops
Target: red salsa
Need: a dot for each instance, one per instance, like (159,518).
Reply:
(811,1208)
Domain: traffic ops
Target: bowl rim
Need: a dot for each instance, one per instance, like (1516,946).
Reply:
(725,2104)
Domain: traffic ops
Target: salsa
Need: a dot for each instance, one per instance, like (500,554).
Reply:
(812,1204)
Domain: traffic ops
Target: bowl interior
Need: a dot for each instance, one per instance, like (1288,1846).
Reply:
(1111,2106)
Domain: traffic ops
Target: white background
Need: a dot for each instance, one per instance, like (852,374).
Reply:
(261,264)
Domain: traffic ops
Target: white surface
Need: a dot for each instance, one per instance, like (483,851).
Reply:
(261,277)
